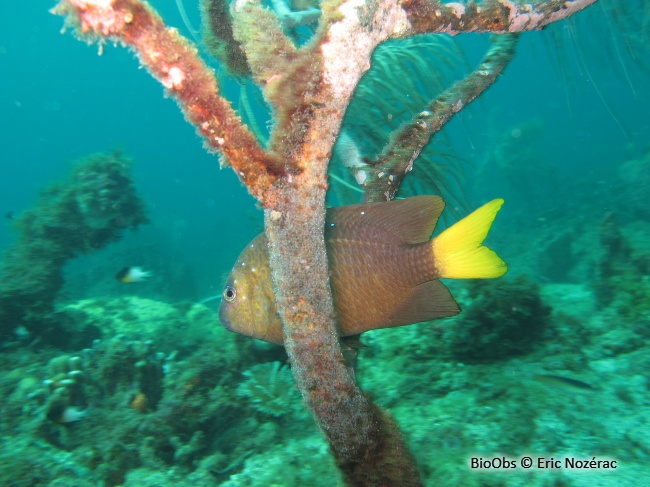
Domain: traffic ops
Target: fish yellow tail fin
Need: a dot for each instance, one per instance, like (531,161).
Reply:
(458,251)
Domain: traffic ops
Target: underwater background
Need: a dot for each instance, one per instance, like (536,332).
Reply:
(551,361)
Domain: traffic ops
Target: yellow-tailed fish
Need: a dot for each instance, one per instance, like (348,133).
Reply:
(384,268)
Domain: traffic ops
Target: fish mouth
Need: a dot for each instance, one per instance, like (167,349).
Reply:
(223,318)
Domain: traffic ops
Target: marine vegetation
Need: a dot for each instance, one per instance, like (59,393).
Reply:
(622,277)
(78,216)
(123,403)
(504,319)
(270,388)
(308,87)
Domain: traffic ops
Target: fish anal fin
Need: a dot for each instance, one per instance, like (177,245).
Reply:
(427,301)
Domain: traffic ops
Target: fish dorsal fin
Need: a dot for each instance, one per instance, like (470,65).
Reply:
(411,220)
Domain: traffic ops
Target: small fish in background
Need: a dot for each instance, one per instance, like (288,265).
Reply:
(566,383)
(9,215)
(132,274)
(63,414)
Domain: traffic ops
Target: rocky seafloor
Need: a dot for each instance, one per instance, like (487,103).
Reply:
(167,397)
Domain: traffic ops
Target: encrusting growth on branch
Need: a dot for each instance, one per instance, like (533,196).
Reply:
(384,175)
(176,64)
(269,54)
(498,16)
(309,89)
(219,38)
(284,73)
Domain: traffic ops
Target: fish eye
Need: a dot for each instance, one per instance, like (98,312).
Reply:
(229,294)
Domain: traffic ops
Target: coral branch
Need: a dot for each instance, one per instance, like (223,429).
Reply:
(365,441)
(268,49)
(219,37)
(383,177)
(499,16)
(310,89)
(176,64)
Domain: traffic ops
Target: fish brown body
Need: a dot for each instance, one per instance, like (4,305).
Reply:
(383,271)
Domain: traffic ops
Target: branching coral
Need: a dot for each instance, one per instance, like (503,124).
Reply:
(308,88)
(219,38)
(398,156)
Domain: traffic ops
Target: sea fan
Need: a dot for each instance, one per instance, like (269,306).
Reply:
(386,98)
(270,388)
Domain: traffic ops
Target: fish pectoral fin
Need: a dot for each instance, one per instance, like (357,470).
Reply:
(459,252)
(427,301)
